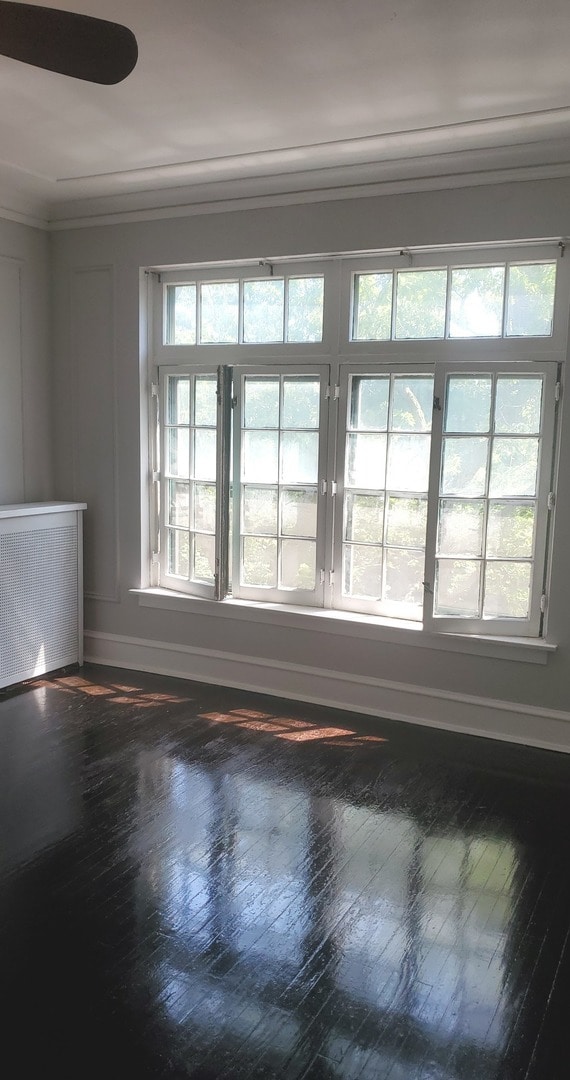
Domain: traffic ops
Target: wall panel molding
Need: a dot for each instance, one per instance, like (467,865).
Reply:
(12,445)
(94,424)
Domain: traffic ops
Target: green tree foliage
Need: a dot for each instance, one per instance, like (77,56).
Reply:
(305,309)
(420,303)
(531,299)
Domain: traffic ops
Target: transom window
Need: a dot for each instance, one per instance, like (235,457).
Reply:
(416,486)
(506,300)
(252,312)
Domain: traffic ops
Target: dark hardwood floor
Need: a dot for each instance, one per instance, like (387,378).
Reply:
(200,882)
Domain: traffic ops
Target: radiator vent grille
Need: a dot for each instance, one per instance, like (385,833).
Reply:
(38,601)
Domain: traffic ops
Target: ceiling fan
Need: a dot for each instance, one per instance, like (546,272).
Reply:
(71,44)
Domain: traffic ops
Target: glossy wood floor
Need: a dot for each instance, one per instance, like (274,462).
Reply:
(199,882)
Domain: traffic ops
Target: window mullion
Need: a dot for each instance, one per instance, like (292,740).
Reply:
(235,552)
(332,504)
(223,451)
(433,497)
(338,432)
(545,484)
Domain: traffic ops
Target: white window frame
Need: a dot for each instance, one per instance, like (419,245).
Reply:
(452,259)
(192,588)
(302,597)
(348,369)
(345,356)
(530,627)
(220,353)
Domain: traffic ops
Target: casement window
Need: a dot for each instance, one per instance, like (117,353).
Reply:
(401,468)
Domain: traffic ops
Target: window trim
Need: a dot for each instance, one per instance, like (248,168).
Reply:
(217,352)
(346,371)
(189,587)
(450,259)
(338,350)
(305,597)
(532,626)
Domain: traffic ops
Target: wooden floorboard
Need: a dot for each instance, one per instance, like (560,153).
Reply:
(201,882)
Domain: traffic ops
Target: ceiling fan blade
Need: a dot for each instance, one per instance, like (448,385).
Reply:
(71,44)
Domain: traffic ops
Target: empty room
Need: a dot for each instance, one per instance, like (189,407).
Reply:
(284,534)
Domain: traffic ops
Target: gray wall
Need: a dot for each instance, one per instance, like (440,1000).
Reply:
(26,437)
(97,358)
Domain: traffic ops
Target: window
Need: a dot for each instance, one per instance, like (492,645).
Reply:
(251,311)
(384,457)
(188,510)
(402,468)
(503,300)
(279,446)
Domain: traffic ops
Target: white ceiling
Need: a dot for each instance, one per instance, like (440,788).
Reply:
(249,98)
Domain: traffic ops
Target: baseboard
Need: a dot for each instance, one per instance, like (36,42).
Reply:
(493,719)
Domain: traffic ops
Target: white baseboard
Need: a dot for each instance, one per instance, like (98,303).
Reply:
(470,715)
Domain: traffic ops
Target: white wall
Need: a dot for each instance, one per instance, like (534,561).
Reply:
(26,472)
(96,272)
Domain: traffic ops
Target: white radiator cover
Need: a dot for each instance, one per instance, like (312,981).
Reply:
(41,589)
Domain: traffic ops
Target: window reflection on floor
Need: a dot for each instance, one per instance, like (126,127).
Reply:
(266,900)
(247,883)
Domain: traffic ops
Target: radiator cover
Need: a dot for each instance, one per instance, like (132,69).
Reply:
(41,593)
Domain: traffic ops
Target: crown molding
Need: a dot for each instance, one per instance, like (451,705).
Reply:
(500,150)
(188,208)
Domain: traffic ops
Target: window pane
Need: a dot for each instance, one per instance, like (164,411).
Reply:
(407,519)
(305,309)
(179,452)
(204,499)
(259,510)
(420,303)
(299,457)
(530,304)
(468,404)
(204,558)
(464,467)
(299,513)
(205,400)
(366,461)
(510,530)
(181,318)
(412,403)
(513,467)
(263,310)
(362,571)
(259,561)
(298,563)
(300,402)
(369,402)
(404,573)
(460,527)
(408,462)
(517,407)
(477,301)
(178,554)
(261,405)
(178,400)
(372,307)
(457,587)
(259,458)
(364,518)
(219,314)
(204,454)
(178,503)
(507,590)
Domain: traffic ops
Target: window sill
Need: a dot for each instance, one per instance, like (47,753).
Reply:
(369,627)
